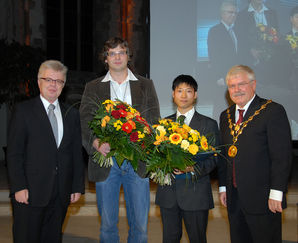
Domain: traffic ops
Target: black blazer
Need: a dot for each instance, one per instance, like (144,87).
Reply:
(264,155)
(190,195)
(33,155)
(144,99)
(221,50)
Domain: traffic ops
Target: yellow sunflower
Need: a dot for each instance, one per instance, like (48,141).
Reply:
(175,138)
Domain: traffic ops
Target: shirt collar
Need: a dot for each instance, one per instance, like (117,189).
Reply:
(46,103)
(246,106)
(188,115)
(251,9)
(227,26)
(130,77)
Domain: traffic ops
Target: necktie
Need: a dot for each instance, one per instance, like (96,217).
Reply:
(240,119)
(53,121)
(233,36)
(181,119)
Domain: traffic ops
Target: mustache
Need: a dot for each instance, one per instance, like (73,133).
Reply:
(237,94)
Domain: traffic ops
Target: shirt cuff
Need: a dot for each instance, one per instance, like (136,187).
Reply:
(222,189)
(275,195)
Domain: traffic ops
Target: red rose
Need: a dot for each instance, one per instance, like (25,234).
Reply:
(123,113)
(126,127)
(123,107)
(140,119)
(116,114)
(134,137)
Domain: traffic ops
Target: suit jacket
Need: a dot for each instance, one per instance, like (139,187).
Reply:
(264,155)
(247,31)
(144,99)
(221,50)
(35,162)
(188,194)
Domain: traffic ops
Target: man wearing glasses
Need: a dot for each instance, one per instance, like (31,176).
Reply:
(223,42)
(119,84)
(257,138)
(45,164)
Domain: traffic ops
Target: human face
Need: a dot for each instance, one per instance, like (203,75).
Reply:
(241,88)
(184,97)
(50,90)
(117,59)
(294,21)
(229,14)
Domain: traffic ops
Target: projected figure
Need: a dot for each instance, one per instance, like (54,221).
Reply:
(259,155)
(188,199)
(223,42)
(292,44)
(250,25)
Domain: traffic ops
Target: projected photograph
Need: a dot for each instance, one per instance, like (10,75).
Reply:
(230,32)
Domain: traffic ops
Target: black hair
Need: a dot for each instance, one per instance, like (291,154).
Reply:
(187,79)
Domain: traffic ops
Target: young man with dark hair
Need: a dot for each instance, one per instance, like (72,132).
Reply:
(190,196)
(119,84)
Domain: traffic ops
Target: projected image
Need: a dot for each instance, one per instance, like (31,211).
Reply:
(258,33)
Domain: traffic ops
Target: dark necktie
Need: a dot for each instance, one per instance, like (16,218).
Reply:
(53,121)
(240,119)
(233,36)
(181,119)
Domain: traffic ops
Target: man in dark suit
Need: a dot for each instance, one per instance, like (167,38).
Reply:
(223,42)
(246,27)
(45,165)
(119,83)
(190,196)
(258,138)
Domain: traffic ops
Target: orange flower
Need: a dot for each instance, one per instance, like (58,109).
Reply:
(175,138)
(129,115)
(126,127)
(132,123)
(204,143)
(109,107)
(105,120)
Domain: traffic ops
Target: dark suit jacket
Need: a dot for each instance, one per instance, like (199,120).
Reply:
(144,99)
(264,155)
(33,155)
(196,195)
(221,50)
(246,28)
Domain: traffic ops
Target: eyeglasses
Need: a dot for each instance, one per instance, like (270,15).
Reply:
(240,85)
(113,54)
(57,81)
(231,12)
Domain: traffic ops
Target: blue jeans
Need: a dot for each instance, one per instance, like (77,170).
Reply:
(137,197)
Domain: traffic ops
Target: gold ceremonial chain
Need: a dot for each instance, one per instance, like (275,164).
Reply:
(236,129)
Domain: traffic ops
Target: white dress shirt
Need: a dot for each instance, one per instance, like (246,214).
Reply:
(120,91)
(259,16)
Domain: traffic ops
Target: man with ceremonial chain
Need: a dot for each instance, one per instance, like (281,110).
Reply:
(258,150)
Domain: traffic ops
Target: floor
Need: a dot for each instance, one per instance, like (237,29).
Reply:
(85,229)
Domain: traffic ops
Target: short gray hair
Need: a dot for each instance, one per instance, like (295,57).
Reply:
(54,65)
(241,69)
(227,3)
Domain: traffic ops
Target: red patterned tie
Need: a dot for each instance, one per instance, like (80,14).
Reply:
(240,119)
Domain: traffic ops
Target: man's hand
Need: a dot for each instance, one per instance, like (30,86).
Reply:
(274,206)
(187,169)
(74,197)
(223,198)
(22,196)
(104,148)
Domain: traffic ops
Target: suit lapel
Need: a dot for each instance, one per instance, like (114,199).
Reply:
(136,93)
(255,104)
(45,125)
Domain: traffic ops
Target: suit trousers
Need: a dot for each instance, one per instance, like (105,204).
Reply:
(195,223)
(39,224)
(252,228)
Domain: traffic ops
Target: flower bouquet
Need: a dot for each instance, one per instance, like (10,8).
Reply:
(266,39)
(293,42)
(120,125)
(175,147)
